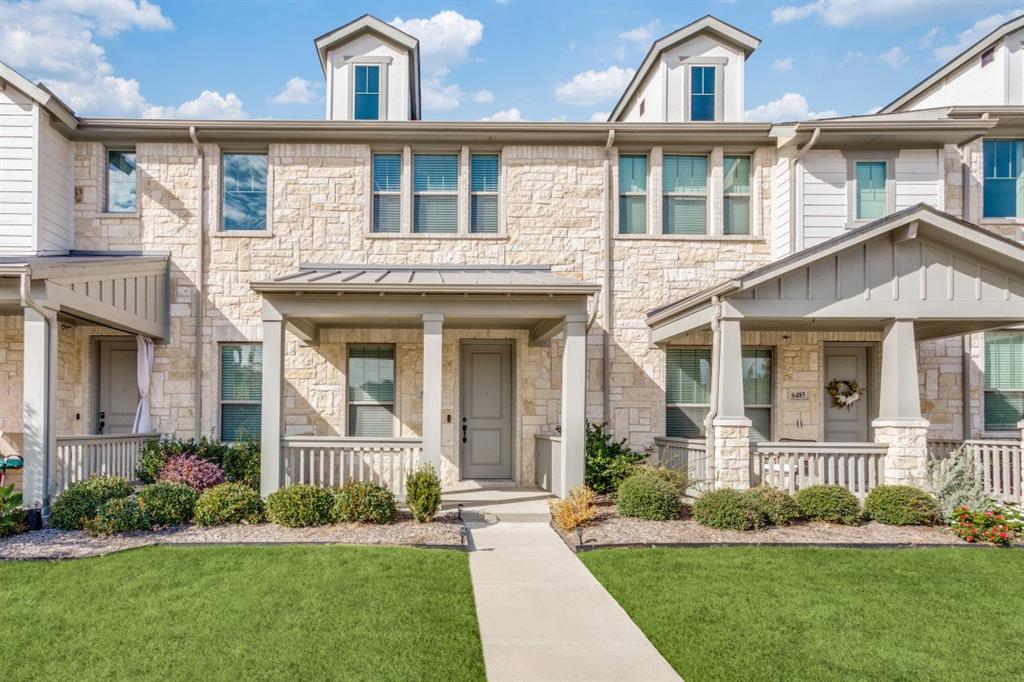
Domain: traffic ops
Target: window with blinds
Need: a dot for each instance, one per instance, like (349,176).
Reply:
(244,190)
(366,95)
(241,390)
(685,201)
(483,185)
(1004,380)
(122,182)
(736,195)
(1003,195)
(632,194)
(387,193)
(702,93)
(435,186)
(870,188)
(757,392)
(371,390)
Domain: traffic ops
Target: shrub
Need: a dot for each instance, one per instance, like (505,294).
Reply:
(648,494)
(982,526)
(228,503)
(119,515)
(777,506)
(300,505)
(194,472)
(901,505)
(578,509)
(730,510)
(152,458)
(12,516)
(168,504)
(82,500)
(608,462)
(955,482)
(423,493)
(832,503)
(363,502)
(677,479)
(241,463)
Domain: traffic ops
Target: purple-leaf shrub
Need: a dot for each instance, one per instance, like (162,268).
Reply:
(194,472)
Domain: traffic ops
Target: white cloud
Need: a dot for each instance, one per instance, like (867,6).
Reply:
(642,34)
(851,57)
(599,117)
(446,40)
(873,110)
(785,64)
(895,57)
(296,91)
(792,106)
(591,87)
(972,35)
(483,97)
(209,104)
(505,116)
(928,38)
(619,53)
(847,12)
(440,97)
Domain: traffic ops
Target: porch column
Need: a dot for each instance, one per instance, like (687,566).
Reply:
(574,404)
(433,329)
(271,466)
(730,427)
(899,423)
(39,394)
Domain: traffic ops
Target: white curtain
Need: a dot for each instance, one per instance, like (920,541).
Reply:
(144,371)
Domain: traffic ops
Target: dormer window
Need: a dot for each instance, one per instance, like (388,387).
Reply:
(366,95)
(702,93)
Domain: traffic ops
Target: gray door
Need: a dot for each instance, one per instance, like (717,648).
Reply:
(485,434)
(118,386)
(847,425)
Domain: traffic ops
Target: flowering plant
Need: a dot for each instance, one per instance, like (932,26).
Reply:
(844,392)
(982,526)
(194,472)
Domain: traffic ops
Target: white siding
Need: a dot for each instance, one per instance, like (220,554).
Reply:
(781,202)
(17,169)
(56,190)
(822,187)
(395,90)
(918,178)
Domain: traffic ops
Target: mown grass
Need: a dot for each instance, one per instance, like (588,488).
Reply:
(231,612)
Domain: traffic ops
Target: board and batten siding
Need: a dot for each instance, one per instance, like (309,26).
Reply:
(18,121)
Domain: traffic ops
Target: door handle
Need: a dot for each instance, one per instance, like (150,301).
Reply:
(463,432)
(103,415)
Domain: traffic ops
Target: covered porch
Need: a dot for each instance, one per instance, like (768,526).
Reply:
(424,365)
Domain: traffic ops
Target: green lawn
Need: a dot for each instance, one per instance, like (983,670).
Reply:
(229,613)
(825,614)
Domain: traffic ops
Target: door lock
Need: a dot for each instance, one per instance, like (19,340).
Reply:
(463,429)
(103,415)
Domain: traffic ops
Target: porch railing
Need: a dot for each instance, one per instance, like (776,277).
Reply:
(999,463)
(689,455)
(547,453)
(332,461)
(79,457)
(792,466)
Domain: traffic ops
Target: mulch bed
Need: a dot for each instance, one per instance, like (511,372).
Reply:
(612,530)
(445,532)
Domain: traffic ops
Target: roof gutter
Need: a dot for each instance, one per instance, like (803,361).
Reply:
(199,296)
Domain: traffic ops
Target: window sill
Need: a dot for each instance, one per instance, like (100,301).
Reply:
(754,239)
(440,235)
(236,234)
(134,215)
(1000,435)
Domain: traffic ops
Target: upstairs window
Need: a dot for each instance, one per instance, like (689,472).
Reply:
(736,195)
(371,391)
(387,192)
(483,210)
(702,93)
(685,201)
(244,201)
(1004,380)
(632,194)
(366,99)
(1004,179)
(122,182)
(870,188)
(241,391)
(435,193)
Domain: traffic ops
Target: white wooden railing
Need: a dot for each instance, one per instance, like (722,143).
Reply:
(80,457)
(689,455)
(332,461)
(792,466)
(999,464)
(547,453)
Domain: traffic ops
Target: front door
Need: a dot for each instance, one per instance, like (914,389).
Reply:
(485,432)
(118,386)
(842,424)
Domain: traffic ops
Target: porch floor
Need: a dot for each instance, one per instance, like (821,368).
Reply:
(500,504)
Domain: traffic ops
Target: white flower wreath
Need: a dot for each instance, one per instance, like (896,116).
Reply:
(844,392)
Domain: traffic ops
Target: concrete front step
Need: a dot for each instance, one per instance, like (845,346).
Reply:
(493,505)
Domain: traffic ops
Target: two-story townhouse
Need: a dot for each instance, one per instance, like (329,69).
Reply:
(372,291)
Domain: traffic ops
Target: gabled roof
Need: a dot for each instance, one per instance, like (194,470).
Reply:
(40,94)
(949,67)
(706,24)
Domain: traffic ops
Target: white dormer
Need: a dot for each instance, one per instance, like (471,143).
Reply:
(372,71)
(694,74)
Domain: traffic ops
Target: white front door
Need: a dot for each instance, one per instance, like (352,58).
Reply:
(847,424)
(118,386)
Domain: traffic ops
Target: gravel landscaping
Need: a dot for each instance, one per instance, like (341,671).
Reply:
(445,531)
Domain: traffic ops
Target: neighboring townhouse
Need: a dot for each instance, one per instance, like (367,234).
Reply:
(373,291)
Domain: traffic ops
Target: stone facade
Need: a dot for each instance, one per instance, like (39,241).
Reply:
(732,453)
(906,461)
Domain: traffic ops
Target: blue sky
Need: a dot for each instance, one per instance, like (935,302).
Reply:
(511,59)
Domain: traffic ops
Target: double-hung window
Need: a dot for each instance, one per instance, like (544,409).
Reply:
(702,93)
(1004,179)
(483,183)
(1004,380)
(366,93)
(387,192)
(122,182)
(241,390)
(870,200)
(685,200)
(632,194)
(244,192)
(736,195)
(435,193)
(757,392)
(371,390)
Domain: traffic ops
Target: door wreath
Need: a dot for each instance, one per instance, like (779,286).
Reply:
(844,392)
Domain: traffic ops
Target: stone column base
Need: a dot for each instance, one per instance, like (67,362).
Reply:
(907,459)
(732,452)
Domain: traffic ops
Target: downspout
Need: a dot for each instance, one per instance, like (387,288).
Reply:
(793,203)
(606,284)
(709,430)
(199,296)
(965,340)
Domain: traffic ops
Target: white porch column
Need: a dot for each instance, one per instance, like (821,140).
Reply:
(899,423)
(39,395)
(730,427)
(574,404)
(271,466)
(433,330)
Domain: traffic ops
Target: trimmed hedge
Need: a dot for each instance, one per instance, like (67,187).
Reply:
(83,499)
(831,503)
(363,502)
(240,462)
(168,504)
(300,505)
(196,473)
(119,515)
(776,505)
(729,509)
(228,503)
(902,505)
(648,494)
(423,493)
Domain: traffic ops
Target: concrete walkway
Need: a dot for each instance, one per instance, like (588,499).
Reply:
(543,616)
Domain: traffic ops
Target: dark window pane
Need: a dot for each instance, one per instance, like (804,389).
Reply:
(484,214)
(122,182)
(245,192)
(684,215)
(371,421)
(241,372)
(238,422)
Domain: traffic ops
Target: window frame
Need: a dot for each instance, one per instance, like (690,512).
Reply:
(248,232)
(852,159)
(496,193)
(105,205)
(716,63)
(220,387)
(748,195)
(685,405)
(646,155)
(374,192)
(456,193)
(770,406)
(706,195)
(347,413)
(380,87)
(984,180)
(1018,391)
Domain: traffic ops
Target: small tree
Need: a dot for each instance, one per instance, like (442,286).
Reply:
(608,461)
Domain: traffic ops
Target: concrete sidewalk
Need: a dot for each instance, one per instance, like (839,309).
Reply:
(543,616)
